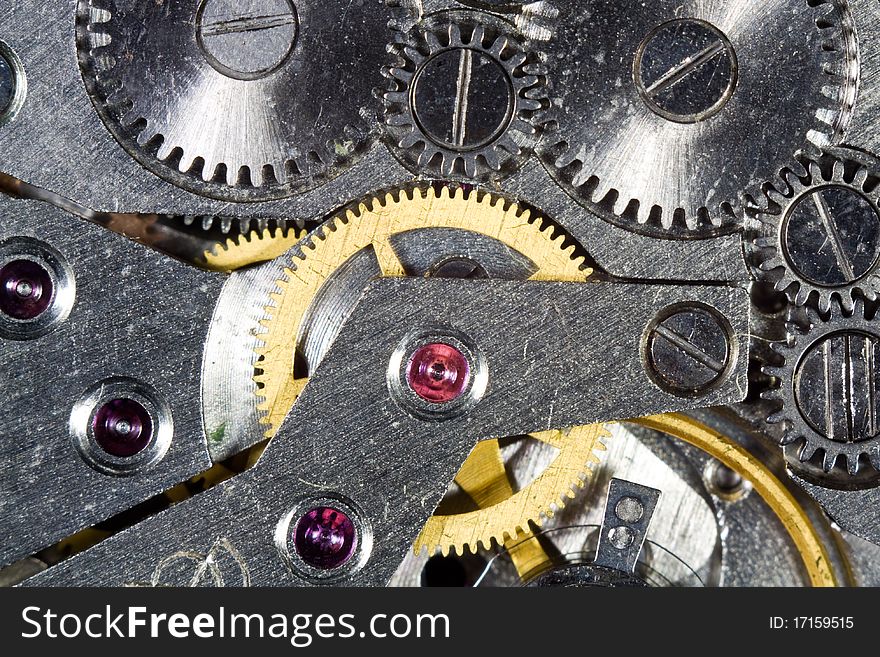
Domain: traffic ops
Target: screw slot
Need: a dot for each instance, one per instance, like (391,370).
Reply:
(685,70)
(689,349)
(247,45)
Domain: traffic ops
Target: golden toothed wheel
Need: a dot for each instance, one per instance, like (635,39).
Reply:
(251,248)
(425,232)
(504,514)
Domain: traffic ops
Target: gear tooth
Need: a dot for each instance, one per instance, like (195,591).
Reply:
(470,166)
(498,46)
(828,460)
(454,35)
(858,308)
(853,464)
(791,179)
(478,35)
(789,436)
(861,178)
(874,458)
(447,167)
(433,42)
(769,395)
(806,452)
(515,61)
(775,196)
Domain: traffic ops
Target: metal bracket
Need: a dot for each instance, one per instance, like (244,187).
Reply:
(628,513)
(556,355)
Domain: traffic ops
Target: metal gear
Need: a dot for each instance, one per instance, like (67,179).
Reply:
(250,249)
(240,101)
(504,514)
(820,238)
(465,99)
(422,233)
(687,108)
(827,387)
(417,232)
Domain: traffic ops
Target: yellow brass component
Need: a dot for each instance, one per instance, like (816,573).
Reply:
(503,514)
(369,227)
(483,477)
(250,249)
(774,493)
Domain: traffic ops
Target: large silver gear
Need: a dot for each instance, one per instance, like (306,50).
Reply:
(237,100)
(827,385)
(683,108)
(465,99)
(819,239)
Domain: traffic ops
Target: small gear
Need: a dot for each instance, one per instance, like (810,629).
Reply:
(820,238)
(682,110)
(504,514)
(239,101)
(465,100)
(828,388)
(250,249)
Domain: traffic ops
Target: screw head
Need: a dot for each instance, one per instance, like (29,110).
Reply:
(621,537)
(26,289)
(831,236)
(324,537)
(462,99)
(688,349)
(685,70)
(724,482)
(836,387)
(247,41)
(122,427)
(629,509)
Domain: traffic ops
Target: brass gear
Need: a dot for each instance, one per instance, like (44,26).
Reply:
(372,225)
(250,248)
(503,515)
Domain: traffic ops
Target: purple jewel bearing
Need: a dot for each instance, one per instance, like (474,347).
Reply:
(325,538)
(122,427)
(26,289)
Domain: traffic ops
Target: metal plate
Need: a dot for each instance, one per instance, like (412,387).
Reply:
(136,314)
